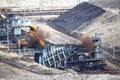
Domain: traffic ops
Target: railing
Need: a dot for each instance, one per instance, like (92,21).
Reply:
(43,12)
(29,51)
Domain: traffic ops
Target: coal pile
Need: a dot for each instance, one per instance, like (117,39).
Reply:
(77,16)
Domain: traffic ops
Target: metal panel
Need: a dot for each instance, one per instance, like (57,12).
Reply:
(17,31)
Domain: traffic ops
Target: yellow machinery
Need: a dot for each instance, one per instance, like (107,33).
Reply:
(33,34)
(5,10)
(23,43)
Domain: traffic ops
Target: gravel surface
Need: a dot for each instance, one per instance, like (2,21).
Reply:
(23,70)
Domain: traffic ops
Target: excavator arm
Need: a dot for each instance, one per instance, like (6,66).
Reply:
(33,34)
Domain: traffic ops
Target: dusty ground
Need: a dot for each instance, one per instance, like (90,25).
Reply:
(8,72)
(11,69)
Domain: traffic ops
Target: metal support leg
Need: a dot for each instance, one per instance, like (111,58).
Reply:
(65,64)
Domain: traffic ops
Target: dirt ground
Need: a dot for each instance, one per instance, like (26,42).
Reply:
(8,72)
(11,69)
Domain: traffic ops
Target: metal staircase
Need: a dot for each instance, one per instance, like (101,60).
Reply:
(54,56)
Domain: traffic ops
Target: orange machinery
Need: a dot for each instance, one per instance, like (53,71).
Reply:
(34,34)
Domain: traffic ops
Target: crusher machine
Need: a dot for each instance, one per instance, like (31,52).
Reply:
(72,56)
